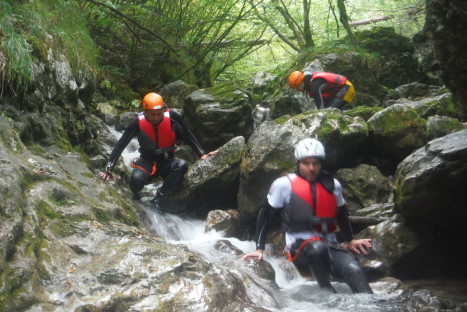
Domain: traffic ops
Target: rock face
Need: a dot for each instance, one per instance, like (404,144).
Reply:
(444,20)
(71,242)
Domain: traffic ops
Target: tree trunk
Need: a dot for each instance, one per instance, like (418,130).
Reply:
(306,22)
(344,18)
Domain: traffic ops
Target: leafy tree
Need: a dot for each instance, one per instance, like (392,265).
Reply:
(161,41)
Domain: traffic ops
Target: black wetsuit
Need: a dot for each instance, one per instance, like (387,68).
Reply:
(169,168)
(321,258)
(316,88)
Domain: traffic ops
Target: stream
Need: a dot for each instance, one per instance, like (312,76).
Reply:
(294,292)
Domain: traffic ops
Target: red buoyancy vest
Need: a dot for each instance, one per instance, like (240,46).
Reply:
(335,83)
(165,134)
(300,209)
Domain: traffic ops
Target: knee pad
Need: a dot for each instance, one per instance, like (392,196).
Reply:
(179,165)
(138,180)
(352,268)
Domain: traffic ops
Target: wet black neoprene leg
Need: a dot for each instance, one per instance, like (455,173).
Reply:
(336,103)
(319,263)
(172,173)
(138,180)
(346,267)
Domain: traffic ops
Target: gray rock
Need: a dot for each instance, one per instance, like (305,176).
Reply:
(227,222)
(433,177)
(395,132)
(364,186)
(217,115)
(211,183)
(438,126)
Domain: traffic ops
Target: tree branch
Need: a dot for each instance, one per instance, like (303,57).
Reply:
(132,20)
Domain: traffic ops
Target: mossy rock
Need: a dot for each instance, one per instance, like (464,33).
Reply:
(398,66)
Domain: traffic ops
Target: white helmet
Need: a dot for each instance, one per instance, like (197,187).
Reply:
(309,148)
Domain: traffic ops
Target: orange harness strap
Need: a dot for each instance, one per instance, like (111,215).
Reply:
(294,257)
(134,165)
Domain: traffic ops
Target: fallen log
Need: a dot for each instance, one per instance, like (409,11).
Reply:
(371,20)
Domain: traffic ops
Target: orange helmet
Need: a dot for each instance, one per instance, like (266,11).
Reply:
(153,101)
(295,79)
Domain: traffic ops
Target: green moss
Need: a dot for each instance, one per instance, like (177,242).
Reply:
(61,198)
(101,215)
(63,228)
(37,26)
(46,212)
(395,121)
(363,111)
(36,149)
(127,216)
(282,120)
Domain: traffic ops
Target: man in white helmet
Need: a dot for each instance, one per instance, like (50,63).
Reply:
(311,204)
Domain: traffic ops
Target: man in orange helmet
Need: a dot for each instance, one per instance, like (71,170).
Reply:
(157,129)
(327,89)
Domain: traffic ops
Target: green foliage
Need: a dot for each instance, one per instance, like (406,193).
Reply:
(27,32)
(15,52)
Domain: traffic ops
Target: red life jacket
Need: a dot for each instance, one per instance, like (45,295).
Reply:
(300,210)
(163,136)
(335,82)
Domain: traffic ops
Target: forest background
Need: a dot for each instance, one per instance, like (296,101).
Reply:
(136,46)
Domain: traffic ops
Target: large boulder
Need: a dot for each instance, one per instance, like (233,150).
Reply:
(396,62)
(437,104)
(364,186)
(270,150)
(439,126)
(219,114)
(290,102)
(395,132)
(211,183)
(430,183)
(393,243)
(174,93)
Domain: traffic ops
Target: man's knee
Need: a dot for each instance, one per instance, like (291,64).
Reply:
(179,165)
(352,268)
(138,179)
(355,277)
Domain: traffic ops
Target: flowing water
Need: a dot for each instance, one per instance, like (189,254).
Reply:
(294,292)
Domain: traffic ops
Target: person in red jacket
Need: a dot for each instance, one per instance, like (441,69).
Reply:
(157,129)
(327,89)
(311,204)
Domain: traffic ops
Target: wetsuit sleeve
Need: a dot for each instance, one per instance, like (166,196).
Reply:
(130,132)
(316,88)
(343,221)
(182,132)
(262,224)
